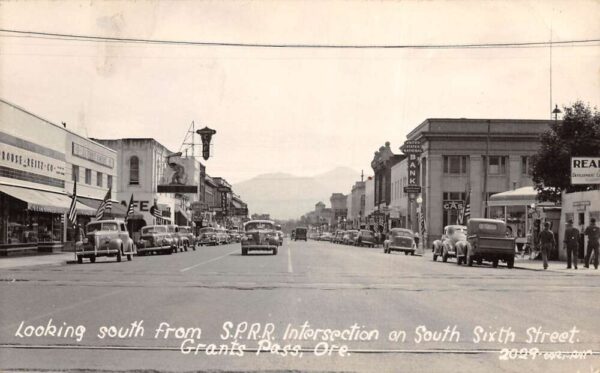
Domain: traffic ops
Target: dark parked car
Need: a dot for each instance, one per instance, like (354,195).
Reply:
(365,238)
(187,236)
(155,239)
(486,240)
(400,239)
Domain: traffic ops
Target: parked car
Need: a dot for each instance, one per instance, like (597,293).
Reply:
(300,233)
(365,238)
(338,236)
(486,240)
(105,238)
(234,235)
(179,241)
(188,237)
(400,239)
(445,247)
(207,236)
(349,237)
(260,235)
(155,239)
(222,236)
(326,236)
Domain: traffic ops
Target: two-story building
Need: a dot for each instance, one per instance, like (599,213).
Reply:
(477,157)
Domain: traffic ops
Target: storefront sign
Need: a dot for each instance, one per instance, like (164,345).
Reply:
(453,205)
(19,162)
(92,156)
(585,170)
(412,147)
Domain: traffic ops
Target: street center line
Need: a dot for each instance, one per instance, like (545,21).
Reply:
(290,269)
(208,261)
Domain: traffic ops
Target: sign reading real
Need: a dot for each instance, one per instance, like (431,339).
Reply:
(585,170)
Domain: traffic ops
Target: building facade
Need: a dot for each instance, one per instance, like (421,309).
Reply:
(339,208)
(39,163)
(382,163)
(143,165)
(356,206)
(399,204)
(474,157)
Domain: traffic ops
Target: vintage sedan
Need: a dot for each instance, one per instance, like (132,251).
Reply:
(105,238)
(446,246)
(349,237)
(187,236)
(400,239)
(207,236)
(181,242)
(486,240)
(155,239)
(365,238)
(222,236)
(260,235)
(339,235)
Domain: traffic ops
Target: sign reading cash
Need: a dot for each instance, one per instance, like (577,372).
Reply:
(413,149)
(585,170)
(178,175)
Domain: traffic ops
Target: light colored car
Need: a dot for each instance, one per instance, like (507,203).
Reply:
(400,239)
(207,236)
(349,237)
(222,236)
(326,236)
(446,246)
(234,235)
(260,235)
(105,238)
(187,236)
(178,240)
(155,239)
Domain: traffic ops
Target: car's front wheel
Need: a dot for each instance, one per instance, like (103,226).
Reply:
(244,251)
(119,255)
(92,259)
(275,251)
(79,259)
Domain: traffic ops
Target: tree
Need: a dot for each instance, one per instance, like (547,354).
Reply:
(578,134)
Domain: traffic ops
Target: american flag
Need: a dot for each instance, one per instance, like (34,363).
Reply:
(73,208)
(129,208)
(105,205)
(155,211)
(465,213)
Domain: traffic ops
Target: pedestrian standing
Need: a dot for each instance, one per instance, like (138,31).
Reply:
(571,242)
(547,242)
(593,233)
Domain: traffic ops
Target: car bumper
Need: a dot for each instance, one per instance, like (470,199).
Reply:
(259,247)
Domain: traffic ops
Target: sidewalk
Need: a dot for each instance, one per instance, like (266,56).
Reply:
(554,266)
(33,260)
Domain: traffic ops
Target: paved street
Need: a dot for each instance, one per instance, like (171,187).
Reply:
(329,286)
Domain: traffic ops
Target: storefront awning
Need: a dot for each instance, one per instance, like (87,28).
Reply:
(117,210)
(518,197)
(42,201)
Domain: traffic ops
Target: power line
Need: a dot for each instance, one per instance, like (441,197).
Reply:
(76,37)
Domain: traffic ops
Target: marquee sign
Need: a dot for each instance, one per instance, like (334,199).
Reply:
(453,205)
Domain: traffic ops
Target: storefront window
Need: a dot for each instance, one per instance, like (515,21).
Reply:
(515,220)
(32,227)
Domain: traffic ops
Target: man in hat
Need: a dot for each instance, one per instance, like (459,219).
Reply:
(546,239)
(571,242)
(593,233)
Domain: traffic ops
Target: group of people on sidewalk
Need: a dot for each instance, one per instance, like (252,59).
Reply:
(571,241)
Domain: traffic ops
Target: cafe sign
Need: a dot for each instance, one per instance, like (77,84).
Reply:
(585,170)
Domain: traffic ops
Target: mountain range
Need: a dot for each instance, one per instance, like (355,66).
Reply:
(286,196)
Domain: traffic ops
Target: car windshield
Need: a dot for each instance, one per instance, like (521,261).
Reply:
(402,233)
(207,230)
(366,233)
(300,230)
(256,225)
(93,227)
(353,233)
(156,229)
(184,230)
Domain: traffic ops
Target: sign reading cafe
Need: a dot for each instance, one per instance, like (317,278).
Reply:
(585,170)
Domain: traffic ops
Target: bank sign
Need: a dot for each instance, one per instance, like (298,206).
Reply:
(585,170)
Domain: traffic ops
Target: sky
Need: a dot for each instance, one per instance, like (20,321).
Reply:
(295,110)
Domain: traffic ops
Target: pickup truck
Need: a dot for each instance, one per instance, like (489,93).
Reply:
(105,238)
(486,240)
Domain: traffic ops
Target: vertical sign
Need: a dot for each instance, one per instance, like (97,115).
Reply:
(413,149)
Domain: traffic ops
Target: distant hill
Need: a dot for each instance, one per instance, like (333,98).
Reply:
(286,196)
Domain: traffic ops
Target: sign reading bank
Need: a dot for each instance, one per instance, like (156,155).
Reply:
(585,170)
